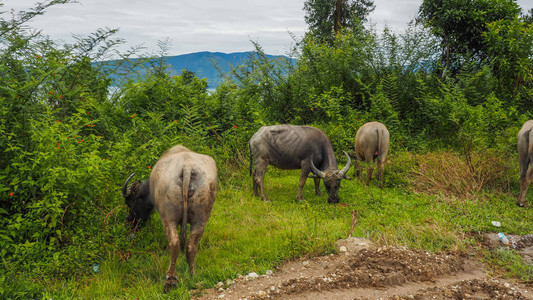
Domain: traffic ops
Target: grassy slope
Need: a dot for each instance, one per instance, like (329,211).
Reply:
(245,234)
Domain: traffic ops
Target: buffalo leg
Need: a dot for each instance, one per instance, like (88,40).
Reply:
(174,248)
(255,185)
(317,186)
(358,171)
(258,178)
(381,167)
(369,172)
(301,182)
(192,247)
(525,180)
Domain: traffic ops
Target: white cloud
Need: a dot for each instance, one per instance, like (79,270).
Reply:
(195,25)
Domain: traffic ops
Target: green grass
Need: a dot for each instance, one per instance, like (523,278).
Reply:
(245,234)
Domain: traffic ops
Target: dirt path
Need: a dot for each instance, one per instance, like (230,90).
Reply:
(364,271)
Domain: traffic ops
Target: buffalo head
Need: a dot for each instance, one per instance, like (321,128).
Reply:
(332,179)
(137,198)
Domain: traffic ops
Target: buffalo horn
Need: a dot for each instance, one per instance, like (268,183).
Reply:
(348,164)
(125,188)
(316,171)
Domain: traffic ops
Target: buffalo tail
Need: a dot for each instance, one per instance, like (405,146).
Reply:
(185,196)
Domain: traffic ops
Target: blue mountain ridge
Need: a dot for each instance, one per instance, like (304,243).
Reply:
(209,65)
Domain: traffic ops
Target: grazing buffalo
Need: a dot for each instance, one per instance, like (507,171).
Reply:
(371,143)
(182,188)
(291,147)
(525,159)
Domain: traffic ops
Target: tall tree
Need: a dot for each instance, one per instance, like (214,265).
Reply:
(326,17)
(459,24)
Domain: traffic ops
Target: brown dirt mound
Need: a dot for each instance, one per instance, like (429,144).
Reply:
(470,289)
(386,266)
(374,273)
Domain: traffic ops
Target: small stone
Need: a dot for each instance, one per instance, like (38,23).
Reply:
(506,285)
(252,275)
(269,272)
(305,263)
(220,290)
(261,294)
(220,285)
(229,282)
(221,296)
(343,249)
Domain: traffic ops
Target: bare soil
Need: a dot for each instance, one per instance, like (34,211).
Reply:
(363,271)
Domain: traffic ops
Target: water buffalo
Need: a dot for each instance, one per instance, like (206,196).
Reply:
(291,147)
(182,188)
(525,159)
(371,143)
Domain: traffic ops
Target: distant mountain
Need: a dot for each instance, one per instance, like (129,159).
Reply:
(209,64)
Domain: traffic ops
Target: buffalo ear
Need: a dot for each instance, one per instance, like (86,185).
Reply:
(132,192)
(134,189)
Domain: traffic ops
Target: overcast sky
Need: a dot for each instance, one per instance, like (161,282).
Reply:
(196,25)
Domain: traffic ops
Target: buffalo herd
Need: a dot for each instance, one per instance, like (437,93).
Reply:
(183,183)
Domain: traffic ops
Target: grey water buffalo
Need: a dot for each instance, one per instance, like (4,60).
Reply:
(525,159)
(182,187)
(291,147)
(371,143)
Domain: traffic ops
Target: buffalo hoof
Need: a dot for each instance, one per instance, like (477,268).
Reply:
(170,284)
(520,204)
(333,201)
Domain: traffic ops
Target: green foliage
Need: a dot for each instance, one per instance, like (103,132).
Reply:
(459,24)
(510,46)
(164,95)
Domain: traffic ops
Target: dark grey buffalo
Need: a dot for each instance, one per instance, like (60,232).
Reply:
(525,159)
(291,147)
(371,143)
(182,188)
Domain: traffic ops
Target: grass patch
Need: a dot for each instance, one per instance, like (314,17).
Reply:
(245,234)
(510,264)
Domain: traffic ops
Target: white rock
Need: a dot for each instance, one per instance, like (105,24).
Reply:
(220,285)
(221,296)
(355,244)
(261,294)
(252,275)
(269,272)
(305,263)
(229,282)
(343,249)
